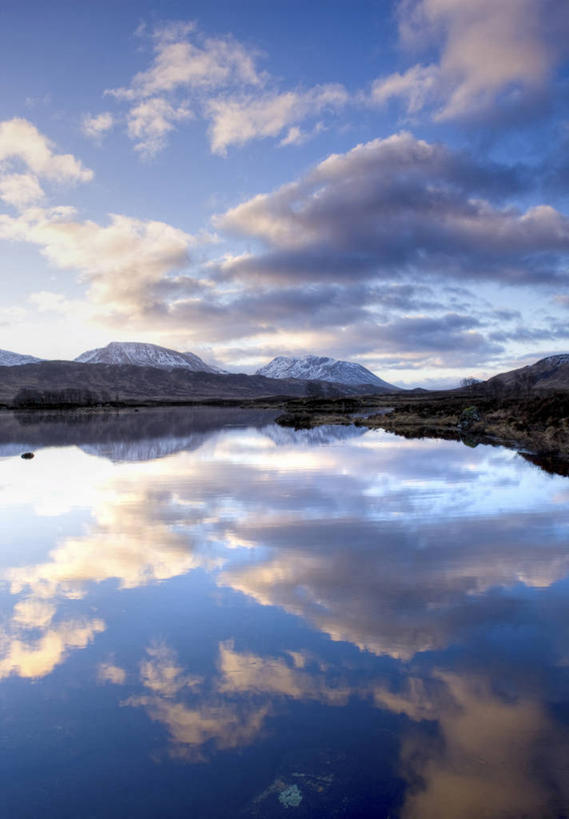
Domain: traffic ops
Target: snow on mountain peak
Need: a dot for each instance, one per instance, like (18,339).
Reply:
(323,368)
(144,355)
(9,359)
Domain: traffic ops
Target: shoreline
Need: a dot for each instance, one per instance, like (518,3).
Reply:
(534,426)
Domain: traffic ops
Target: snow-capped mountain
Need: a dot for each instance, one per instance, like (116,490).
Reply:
(322,368)
(145,355)
(9,359)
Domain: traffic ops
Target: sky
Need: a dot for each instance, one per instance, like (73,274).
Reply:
(383,181)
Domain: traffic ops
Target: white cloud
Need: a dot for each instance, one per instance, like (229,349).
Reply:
(185,64)
(235,121)
(20,189)
(121,261)
(26,156)
(296,136)
(150,120)
(218,80)
(491,54)
(46,301)
(21,141)
(418,86)
(178,63)
(97,126)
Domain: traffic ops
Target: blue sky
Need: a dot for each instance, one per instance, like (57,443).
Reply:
(379,181)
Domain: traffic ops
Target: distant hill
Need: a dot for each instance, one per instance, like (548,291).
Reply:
(9,359)
(145,355)
(69,383)
(323,368)
(549,374)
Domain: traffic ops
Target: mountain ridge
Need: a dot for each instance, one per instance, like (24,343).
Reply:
(61,384)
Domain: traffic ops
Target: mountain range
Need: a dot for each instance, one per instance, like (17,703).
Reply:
(138,354)
(137,373)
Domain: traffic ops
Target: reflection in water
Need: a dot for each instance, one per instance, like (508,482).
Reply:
(492,756)
(192,724)
(29,657)
(252,590)
(122,435)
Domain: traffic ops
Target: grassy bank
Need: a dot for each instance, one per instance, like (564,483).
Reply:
(538,423)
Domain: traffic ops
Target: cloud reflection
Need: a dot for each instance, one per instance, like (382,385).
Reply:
(434,556)
(29,657)
(191,715)
(390,544)
(492,755)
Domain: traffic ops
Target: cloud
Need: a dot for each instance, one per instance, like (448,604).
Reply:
(296,136)
(333,257)
(494,57)
(217,80)
(418,86)
(20,189)
(186,67)
(23,146)
(150,120)
(21,141)
(98,125)
(397,207)
(206,63)
(235,121)
(120,261)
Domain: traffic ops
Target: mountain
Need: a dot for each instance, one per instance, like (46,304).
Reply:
(8,359)
(322,368)
(144,355)
(72,383)
(551,373)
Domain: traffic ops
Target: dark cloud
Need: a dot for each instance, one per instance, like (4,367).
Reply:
(367,255)
(555,329)
(398,207)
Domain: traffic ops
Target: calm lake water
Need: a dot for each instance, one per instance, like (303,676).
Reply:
(205,615)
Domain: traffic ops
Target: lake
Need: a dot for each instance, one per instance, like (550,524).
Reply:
(207,615)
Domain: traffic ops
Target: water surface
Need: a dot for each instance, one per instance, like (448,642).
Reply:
(206,615)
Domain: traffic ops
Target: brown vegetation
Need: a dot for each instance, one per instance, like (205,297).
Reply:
(539,423)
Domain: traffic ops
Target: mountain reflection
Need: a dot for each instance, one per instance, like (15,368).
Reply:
(262,575)
(129,435)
